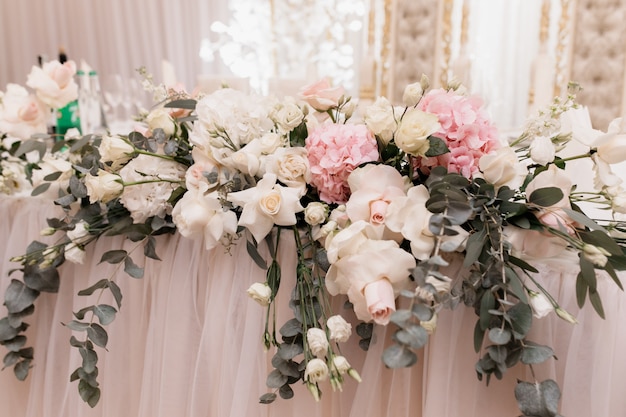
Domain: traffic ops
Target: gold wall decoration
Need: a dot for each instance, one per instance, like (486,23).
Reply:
(446,41)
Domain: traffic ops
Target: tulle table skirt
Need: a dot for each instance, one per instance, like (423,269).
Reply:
(187,342)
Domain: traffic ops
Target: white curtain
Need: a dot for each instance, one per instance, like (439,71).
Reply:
(112,36)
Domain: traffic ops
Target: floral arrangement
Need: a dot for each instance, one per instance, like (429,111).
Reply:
(404,210)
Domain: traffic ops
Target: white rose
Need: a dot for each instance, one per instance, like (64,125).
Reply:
(103,187)
(315,213)
(54,83)
(246,160)
(502,167)
(413,132)
(288,117)
(160,118)
(542,150)
(412,94)
(317,341)
(380,119)
(316,371)
(291,165)
(261,293)
(540,304)
(271,141)
(595,255)
(116,150)
(340,330)
(341,364)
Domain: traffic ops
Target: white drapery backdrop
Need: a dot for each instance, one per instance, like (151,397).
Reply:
(113,36)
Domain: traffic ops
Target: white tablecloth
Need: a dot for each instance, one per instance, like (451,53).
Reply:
(187,342)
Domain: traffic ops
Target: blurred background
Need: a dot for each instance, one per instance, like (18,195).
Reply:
(518,54)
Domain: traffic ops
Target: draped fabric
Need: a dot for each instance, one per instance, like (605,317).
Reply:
(187,342)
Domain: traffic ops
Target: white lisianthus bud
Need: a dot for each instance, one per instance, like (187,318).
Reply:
(565,315)
(315,213)
(316,371)
(160,118)
(341,364)
(424,82)
(431,325)
(349,108)
(412,94)
(340,330)
(596,255)
(315,392)
(48,231)
(354,374)
(261,293)
(542,150)
(317,341)
(540,304)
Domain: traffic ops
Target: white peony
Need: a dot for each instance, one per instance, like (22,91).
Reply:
(54,83)
(147,199)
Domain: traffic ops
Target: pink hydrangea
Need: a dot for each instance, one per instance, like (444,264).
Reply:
(465,127)
(334,151)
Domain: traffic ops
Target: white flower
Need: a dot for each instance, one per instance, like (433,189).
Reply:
(271,141)
(267,204)
(611,147)
(540,304)
(287,116)
(291,166)
(54,83)
(341,364)
(595,254)
(160,118)
(340,330)
(144,200)
(74,253)
(412,94)
(316,371)
(201,215)
(22,114)
(380,119)
(80,234)
(103,187)
(501,167)
(413,131)
(261,293)
(315,213)
(431,325)
(116,150)
(542,150)
(566,316)
(317,341)
(48,165)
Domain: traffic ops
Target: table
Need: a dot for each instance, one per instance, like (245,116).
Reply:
(187,342)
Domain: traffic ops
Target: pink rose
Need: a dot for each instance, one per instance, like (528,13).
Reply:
(380,300)
(321,96)
(378,209)
(334,151)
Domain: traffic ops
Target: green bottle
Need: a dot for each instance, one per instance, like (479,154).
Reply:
(68,117)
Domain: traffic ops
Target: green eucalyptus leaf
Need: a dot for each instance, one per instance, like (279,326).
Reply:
(521,317)
(89,394)
(132,269)
(7,332)
(289,351)
(77,326)
(149,248)
(30,146)
(80,143)
(422,312)
(545,197)
(474,247)
(10,359)
(515,285)
(436,147)
(533,353)
(255,255)
(581,290)
(538,400)
(19,297)
(487,303)
(65,201)
(479,335)
(602,240)
(412,335)
(103,283)
(584,220)
(90,359)
(97,335)
(268,398)
(114,256)
(588,273)
(459,212)
(611,271)
(44,280)
(291,328)
(117,293)
(596,302)
(105,313)
(80,314)
(498,353)
(520,263)
(188,104)
(286,392)
(15,319)
(401,317)
(40,189)
(399,356)
(21,369)
(77,187)
(499,336)
(275,379)
(14,344)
